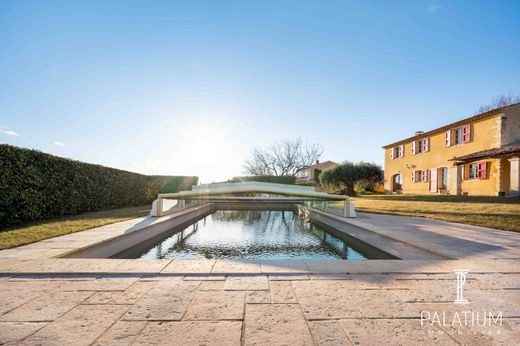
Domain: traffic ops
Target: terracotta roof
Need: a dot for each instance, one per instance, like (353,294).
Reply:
(323,165)
(506,150)
(455,124)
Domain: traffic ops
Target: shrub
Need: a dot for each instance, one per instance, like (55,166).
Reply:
(317,173)
(36,186)
(343,177)
(364,186)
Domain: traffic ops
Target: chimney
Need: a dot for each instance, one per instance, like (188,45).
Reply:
(417,133)
(317,161)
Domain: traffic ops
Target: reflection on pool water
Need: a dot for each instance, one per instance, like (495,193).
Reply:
(247,235)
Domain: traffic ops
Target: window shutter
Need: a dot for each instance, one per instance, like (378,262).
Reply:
(413,147)
(401,150)
(466,133)
(426,144)
(463,172)
(392,156)
(482,170)
(428,175)
(448,138)
(413,177)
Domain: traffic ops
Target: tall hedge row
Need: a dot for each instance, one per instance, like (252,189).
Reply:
(36,186)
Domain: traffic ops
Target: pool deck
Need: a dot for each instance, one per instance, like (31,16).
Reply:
(83,301)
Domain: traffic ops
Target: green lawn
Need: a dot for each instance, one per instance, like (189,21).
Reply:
(30,233)
(493,212)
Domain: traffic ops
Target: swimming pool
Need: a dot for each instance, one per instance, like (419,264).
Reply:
(248,234)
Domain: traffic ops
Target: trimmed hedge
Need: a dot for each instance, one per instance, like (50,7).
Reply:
(281,179)
(37,186)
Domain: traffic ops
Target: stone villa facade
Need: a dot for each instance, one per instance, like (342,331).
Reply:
(479,155)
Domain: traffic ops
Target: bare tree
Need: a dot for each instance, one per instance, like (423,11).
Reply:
(283,158)
(498,102)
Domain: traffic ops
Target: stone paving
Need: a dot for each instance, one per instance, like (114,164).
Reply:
(253,309)
(82,301)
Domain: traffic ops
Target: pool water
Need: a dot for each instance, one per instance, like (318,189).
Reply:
(247,235)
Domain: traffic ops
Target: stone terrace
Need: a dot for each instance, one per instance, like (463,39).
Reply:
(51,301)
(250,309)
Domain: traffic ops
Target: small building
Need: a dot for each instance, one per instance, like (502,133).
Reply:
(307,174)
(478,155)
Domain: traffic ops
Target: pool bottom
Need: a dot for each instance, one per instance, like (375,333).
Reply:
(251,235)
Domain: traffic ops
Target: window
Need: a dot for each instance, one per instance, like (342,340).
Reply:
(473,170)
(419,176)
(444,178)
(420,146)
(478,170)
(424,175)
(397,152)
(416,176)
(459,135)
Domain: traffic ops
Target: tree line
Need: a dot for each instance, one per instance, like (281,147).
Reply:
(286,158)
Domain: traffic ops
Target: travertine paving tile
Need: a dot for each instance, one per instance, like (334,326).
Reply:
(338,276)
(373,281)
(497,281)
(205,277)
(495,300)
(379,304)
(283,266)
(191,333)
(115,283)
(217,305)
(258,297)
(189,266)
(121,333)
(38,266)
(428,291)
(90,265)
(11,332)
(30,253)
(325,299)
(141,266)
(127,297)
(12,265)
(328,333)
(282,292)
(80,326)
(100,297)
(393,332)
(211,285)
(223,266)
(288,277)
(132,294)
(423,276)
(54,277)
(275,324)
(329,266)
(508,333)
(162,277)
(46,307)
(249,283)
(16,293)
(168,300)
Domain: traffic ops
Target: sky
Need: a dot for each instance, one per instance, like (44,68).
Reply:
(191,87)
